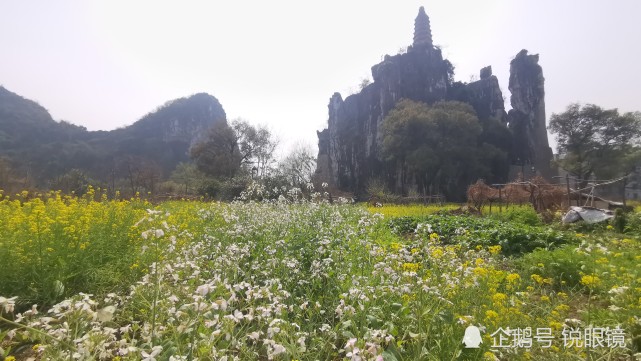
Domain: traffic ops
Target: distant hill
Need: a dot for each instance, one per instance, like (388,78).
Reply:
(42,149)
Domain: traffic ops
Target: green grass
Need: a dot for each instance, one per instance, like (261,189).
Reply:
(308,281)
(411,210)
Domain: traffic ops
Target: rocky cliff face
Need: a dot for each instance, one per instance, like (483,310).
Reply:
(183,119)
(349,148)
(527,116)
(486,97)
(44,148)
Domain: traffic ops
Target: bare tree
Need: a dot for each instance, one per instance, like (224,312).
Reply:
(228,150)
(299,165)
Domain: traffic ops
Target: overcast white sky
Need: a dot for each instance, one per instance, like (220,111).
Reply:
(105,64)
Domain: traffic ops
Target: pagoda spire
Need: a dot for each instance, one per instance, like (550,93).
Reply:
(422,30)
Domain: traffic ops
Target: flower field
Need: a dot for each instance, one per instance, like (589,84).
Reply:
(92,279)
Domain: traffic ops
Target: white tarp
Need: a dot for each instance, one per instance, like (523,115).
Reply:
(587,214)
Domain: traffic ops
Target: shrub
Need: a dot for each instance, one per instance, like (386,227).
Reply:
(523,214)
(514,238)
(564,265)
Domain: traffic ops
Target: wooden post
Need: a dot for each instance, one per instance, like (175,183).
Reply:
(500,199)
(625,182)
(567,182)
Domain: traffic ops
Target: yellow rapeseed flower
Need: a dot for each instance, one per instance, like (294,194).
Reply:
(537,278)
(590,280)
(556,325)
(410,267)
(489,314)
(489,356)
(495,249)
(480,271)
(513,278)
(499,298)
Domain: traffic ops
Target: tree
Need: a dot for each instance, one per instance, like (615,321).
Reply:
(437,148)
(595,141)
(188,175)
(141,174)
(298,166)
(75,181)
(227,151)
(5,174)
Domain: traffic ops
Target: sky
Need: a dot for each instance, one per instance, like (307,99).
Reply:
(105,64)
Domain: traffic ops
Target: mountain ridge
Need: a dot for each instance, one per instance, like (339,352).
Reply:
(38,146)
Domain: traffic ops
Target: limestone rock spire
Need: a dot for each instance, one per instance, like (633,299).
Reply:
(422,30)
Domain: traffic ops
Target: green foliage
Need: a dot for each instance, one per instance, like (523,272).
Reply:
(75,181)
(518,214)
(42,151)
(596,255)
(56,247)
(620,220)
(596,141)
(564,265)
(228,151)
(300,281)
(189,177)
(514,238)
(377,191)
(296,170)
(439,147)
(633,223)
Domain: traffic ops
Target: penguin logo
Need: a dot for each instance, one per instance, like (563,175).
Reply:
(472,338)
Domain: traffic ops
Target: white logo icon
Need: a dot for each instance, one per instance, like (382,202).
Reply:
(472,337)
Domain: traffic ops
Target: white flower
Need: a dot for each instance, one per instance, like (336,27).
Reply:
(238,315)
(220,304)
(151,356)
(8,304)
(278,349)
(106,314)
(618,290)
(350,343)
(203,290)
